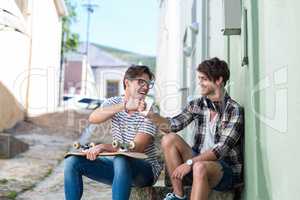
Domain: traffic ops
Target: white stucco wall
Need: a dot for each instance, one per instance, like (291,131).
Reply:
(216,40)
(14,49)
(44,77)
(13,60)
(88,83)
(169,58)
(31,60)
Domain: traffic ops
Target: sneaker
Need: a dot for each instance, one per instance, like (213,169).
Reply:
(171,196)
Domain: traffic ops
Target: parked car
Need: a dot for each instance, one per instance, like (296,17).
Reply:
(79,102)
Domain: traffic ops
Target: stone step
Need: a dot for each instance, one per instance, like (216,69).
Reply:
(11,146)
(159,192)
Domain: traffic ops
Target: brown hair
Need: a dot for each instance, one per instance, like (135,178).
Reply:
(137,70)
(214,69)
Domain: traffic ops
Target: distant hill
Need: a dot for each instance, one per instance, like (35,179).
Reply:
(130,57)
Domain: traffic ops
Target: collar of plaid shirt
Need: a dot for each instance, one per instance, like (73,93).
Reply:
(217,106)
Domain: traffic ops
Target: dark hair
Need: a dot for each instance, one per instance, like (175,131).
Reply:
(214,69)
(137,70)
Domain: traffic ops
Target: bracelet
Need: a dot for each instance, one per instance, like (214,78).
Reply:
(125,109)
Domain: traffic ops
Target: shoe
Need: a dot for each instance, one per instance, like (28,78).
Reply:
(171,196)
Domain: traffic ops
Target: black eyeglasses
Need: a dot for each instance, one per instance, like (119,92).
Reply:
(142,82)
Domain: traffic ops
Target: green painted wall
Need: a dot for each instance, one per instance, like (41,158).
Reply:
(268,89)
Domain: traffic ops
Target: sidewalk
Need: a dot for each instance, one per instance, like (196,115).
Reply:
(38,172)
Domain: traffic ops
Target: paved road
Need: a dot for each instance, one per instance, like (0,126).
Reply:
(39,171)
(52,188)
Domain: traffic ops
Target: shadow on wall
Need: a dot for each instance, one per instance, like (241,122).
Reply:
(11,111)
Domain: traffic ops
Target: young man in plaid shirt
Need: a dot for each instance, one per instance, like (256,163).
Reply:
(215,160)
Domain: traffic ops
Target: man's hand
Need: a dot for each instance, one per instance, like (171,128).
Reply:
(181,171)
(132,104)
(92,153)
(142,105)
(135,105)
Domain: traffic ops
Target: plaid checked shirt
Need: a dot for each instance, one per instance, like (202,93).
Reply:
(229,130)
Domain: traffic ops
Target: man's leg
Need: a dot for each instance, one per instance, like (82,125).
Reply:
(142,173)
(123,178)
(128,172)
(75,167)
(206,175)
(176,151)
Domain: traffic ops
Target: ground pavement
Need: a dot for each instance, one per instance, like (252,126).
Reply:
(37,174)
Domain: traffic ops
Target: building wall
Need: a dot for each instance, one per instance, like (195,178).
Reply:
(272,72)
(104,74)
(89,88)
(169,58)
(265,87)
(14,58)
(30,57)
(45,60)
(72,79)
(179,49)
(11,111)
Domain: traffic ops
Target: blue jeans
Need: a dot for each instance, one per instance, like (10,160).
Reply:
(121,172)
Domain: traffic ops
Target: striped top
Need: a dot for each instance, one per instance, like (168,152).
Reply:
(125,127)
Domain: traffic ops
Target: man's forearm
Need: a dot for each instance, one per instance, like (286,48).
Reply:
(208,155)
(108,148)
(161,122)
(103,114)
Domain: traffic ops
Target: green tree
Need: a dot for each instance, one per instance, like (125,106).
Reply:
(70,40)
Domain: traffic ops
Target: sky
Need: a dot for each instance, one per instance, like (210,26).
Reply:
(125,24)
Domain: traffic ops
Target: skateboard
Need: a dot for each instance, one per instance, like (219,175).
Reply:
(123,149)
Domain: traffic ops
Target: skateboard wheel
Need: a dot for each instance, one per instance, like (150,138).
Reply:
(92,144)
(76,145)
(115,144)
(131,145)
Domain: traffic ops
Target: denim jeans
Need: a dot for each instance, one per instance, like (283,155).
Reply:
(121,172)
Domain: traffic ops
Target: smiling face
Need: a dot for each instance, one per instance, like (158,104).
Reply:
(208,87)
(138,87)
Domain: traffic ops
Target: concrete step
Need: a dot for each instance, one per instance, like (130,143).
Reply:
(11,146)
(159,193)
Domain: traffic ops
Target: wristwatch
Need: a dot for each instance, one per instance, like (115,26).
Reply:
(189,162)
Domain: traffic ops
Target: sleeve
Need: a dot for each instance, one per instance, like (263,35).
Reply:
(231,133)
(110,101)
(183,119)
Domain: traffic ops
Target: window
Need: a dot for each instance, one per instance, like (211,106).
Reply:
(112,88)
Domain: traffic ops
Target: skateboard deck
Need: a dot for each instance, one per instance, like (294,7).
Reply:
(128,154)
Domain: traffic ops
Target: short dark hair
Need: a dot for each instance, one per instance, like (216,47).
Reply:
(214,69)
(137,70)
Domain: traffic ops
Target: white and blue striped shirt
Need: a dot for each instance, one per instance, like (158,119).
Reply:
(125,127)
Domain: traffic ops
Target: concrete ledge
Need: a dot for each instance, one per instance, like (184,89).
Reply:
(11,146)
(159,192)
